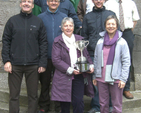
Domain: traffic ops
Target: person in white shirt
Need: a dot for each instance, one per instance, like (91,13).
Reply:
(131,16)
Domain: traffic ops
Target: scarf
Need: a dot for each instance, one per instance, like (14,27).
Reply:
(112,43)
(70,43)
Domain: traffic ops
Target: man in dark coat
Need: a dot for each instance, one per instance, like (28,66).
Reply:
(93,24)
(24,52)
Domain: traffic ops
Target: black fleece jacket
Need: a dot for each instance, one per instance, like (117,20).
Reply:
(25,41)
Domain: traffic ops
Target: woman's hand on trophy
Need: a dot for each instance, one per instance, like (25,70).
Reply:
(76,72)
(91,70)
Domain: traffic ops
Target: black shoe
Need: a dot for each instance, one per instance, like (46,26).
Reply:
(91,111)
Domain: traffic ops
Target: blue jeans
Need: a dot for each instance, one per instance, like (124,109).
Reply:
(95,101)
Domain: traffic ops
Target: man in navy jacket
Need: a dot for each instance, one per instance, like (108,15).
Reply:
(52,19)
(64,7)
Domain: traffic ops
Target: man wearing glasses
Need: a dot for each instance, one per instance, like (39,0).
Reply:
(52,19)
(24,52)
(65,7)
(93,24)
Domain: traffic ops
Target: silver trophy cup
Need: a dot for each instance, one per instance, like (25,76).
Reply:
(82,63)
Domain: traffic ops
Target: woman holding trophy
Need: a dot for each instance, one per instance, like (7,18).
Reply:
(68,81)
(112,62)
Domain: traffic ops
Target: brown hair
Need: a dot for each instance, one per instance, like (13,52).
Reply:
(112,17)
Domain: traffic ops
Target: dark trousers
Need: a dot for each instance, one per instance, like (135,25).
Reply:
(45,79)
(95,100)
(15,80)
(77,96)
(129,37)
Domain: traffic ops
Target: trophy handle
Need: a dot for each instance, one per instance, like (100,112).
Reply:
(87,43)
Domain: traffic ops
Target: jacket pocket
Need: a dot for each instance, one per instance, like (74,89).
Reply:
(33,31)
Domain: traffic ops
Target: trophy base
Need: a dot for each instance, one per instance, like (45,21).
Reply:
(83,66)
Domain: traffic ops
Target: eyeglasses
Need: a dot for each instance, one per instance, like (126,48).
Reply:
(54,1)
(29,1)
(98,0)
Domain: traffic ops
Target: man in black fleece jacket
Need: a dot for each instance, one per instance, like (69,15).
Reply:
(24,52)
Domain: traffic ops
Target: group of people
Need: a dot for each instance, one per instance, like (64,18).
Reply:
(44,45)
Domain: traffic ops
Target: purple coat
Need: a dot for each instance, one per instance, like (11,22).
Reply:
(62,82)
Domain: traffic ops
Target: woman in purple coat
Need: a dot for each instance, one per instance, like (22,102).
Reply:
(68,82)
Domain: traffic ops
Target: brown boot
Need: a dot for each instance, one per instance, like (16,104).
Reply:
(128,95)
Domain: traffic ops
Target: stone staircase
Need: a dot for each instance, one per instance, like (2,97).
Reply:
(129,105)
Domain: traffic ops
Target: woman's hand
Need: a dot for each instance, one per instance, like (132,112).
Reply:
(121,84)
(95,82)
(76,72)
(91,70)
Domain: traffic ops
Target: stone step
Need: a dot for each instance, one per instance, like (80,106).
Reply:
(4,96)
(4,108)
(127,103)
(23,109)
(132,110)
(132,103)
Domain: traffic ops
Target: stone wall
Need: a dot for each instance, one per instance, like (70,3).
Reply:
(11,7)
(137,51)
(8,8)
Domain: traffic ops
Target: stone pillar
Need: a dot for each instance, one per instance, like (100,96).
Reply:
(137,50)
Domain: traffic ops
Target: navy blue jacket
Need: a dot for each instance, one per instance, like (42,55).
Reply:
(64,7)
(52,22)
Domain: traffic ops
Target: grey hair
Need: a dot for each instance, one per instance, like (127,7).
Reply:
(67,19)
(112,17)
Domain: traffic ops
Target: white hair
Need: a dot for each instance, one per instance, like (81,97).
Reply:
(67,19)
